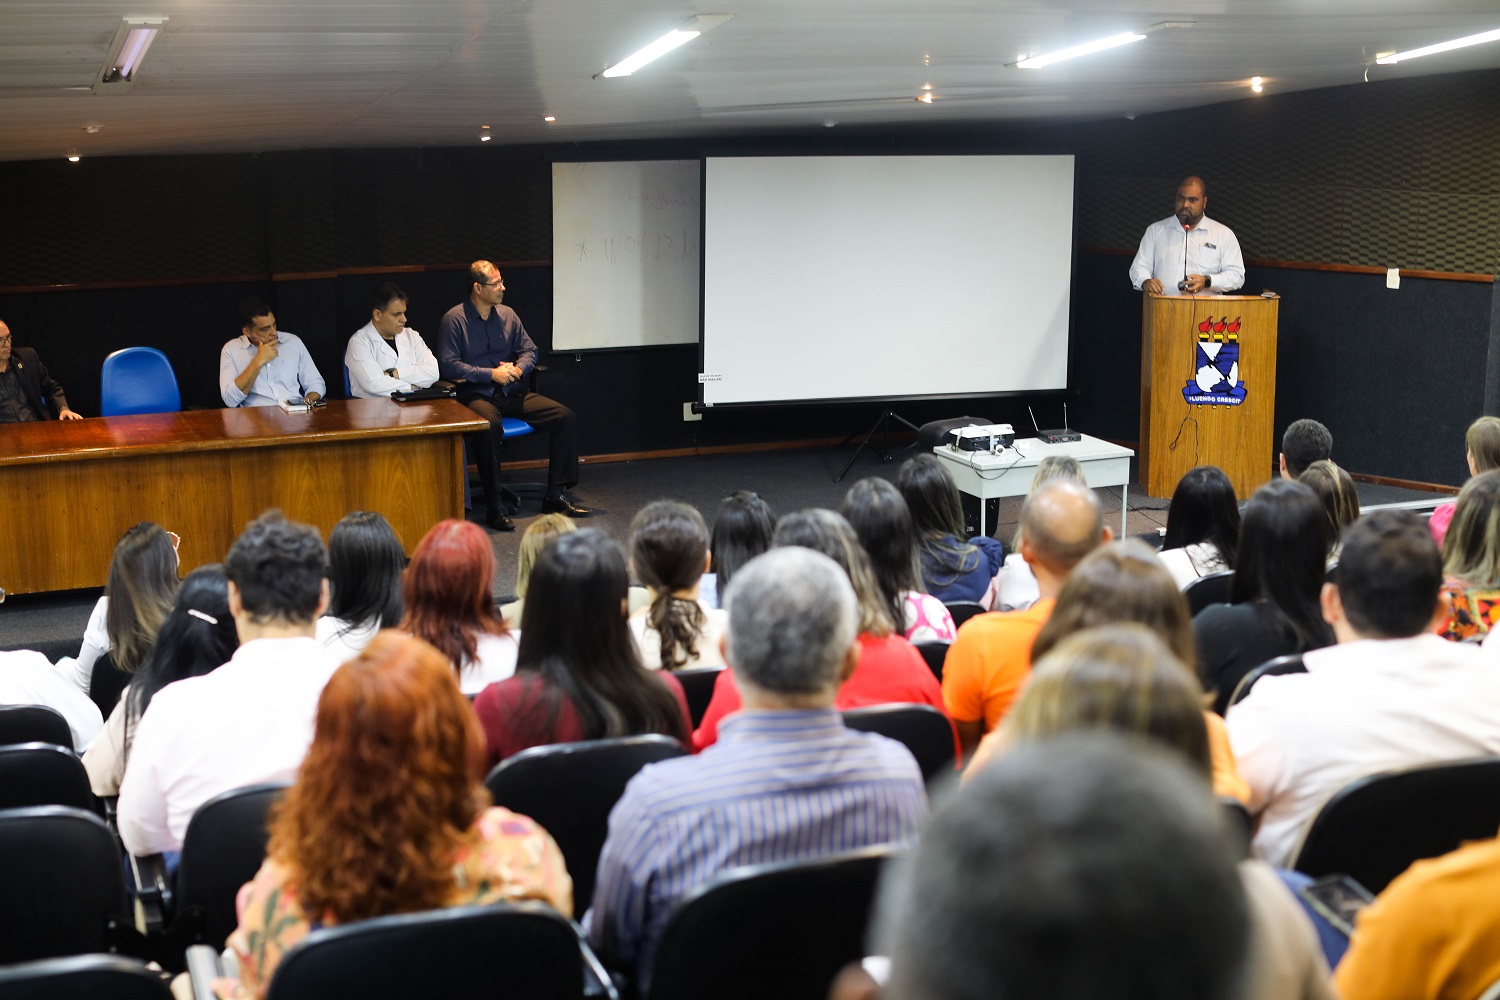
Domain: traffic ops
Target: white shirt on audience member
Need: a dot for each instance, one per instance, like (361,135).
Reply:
(1362,707)
(29,678)
(1191,562)
(369,356)
(343,641)
(80,669)
(246,723)
(495,661)
(1015,586)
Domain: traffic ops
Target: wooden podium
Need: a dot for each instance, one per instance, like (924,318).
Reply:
(1208,388)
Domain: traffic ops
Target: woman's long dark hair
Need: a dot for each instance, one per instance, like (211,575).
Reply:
(1282,557)
(742,531)
(1204,509)
(936,516)
(882,521)
(364,571)
(142,580)
(574,637)
(197,637)
(668,546)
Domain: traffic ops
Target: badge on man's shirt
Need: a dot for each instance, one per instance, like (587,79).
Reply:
(1210,246)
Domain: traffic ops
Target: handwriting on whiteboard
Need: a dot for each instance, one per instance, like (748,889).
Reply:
(643,245)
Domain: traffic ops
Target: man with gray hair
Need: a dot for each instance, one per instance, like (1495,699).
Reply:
(785,781)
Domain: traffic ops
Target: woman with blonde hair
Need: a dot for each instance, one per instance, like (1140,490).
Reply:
(889,670)
(1122,677)
(1340,499)
(1471,560)
(537,535)
(1482,449)
(1015,586)
(1126,582)
(388,814)
(138,596)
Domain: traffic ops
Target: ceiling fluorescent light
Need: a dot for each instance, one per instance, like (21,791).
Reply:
(680,35)
(1430,50)
(1087,48)
(133,39)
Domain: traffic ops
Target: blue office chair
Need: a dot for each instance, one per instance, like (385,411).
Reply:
(510,427)
(138,380)
(348,392)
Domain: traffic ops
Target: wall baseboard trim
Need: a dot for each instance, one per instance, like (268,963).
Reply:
(833,442)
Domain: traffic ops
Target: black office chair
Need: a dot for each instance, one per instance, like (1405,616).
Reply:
(64,885)
(1239,823)
(924,730)
(83,977)
(106,683)
(698,684)
(934,653)
(1211,589)
(222,849)
(1373,829)
(778,930)
(570,788)
(1276,667)
(34,724)
(525,951)
(43,774)
(962,611)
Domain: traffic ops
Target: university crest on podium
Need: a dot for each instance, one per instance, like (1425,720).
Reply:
(1216,369)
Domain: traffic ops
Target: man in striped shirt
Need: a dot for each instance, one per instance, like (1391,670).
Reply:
(785,781)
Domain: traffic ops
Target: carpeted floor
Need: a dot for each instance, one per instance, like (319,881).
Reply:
(788,480)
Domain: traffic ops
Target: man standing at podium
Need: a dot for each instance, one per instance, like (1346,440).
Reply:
(1188,252)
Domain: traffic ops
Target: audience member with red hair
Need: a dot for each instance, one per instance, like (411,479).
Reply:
(388,815)
(448,591)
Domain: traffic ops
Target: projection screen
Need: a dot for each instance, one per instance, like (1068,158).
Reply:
(884,277)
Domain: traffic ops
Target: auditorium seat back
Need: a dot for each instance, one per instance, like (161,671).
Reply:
(1276,667)
(43,774)
(138,380)
(779,930)
(1374,828)
(1211,589)
(962,611)
(698,685)
(223,848)
(923,729)
(83,977)
(34,724)
(526,951)
(570,788)
(64,884)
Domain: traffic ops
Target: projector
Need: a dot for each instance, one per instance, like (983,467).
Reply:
(984,437)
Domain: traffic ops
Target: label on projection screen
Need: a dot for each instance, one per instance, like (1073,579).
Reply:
(848,277)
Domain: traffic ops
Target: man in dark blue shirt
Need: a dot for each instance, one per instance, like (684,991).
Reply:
(484,348)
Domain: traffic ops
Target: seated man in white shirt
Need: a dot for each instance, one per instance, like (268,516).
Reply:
(251,720)
(386,355)
(264,367)
(1390,694)
(28,678)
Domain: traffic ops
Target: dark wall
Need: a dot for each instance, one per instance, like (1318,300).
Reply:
(1400,174)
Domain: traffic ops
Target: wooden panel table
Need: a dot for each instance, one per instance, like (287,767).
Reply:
(69,489)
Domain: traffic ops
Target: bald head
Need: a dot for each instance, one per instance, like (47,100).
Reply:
(1061,522)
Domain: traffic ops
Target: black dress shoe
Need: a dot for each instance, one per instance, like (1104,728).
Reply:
(510,500)
(563,505)
(497,519)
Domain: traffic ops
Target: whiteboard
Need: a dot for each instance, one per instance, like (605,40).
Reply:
(625,254)
(864,277)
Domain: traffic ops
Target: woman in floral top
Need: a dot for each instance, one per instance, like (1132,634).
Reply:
(1471,560)
(388,816)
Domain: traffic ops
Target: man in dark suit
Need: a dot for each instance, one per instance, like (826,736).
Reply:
(27,392)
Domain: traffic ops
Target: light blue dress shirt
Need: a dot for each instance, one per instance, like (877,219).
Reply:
(288,375)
